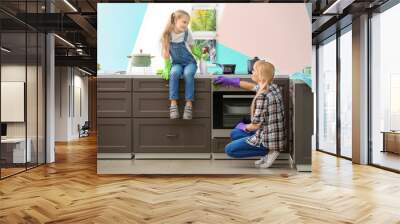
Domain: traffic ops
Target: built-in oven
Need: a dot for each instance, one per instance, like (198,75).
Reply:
(229,107)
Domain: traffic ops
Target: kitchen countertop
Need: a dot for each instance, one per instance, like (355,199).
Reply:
(198,76)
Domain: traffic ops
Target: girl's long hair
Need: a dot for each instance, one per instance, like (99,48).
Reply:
(166,35)
(265,71)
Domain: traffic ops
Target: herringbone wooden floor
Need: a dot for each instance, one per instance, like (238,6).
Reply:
(70,191)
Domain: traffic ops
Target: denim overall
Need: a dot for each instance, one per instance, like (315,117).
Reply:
(183,64)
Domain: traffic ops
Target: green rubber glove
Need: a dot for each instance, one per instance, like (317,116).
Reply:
(196,51)
(167,68)
(164,73)
(159,71)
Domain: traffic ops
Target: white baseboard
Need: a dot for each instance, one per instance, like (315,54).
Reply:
(172,156)
(225,156)
(114,155)
(303,168)
(282,156)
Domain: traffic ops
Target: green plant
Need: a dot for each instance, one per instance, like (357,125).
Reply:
(201,50)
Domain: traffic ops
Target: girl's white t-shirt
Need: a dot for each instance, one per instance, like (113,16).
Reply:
(179,37)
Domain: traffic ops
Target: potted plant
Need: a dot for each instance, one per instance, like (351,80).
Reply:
(202,56)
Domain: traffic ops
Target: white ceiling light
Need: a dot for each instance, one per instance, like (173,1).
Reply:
(5,50)
(64,40)
(70,5)
(338,6)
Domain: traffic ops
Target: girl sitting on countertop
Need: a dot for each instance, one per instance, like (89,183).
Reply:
(265,135)
(176,44)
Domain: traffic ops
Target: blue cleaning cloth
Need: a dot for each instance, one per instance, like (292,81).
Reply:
(301,76)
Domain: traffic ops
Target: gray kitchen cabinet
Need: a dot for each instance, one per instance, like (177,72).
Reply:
(114,104)
(302,119)
(114,85)
(146,104)
(218,144)
(160,85)
(114,135)
(162,135)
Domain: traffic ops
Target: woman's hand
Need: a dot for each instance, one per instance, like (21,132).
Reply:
(252,127)
(247,127)
(241,126)
(225,81)
(234,81)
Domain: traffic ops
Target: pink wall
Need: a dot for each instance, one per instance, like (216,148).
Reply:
(279,32)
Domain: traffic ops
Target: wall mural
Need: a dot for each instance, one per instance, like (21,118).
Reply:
(232,33)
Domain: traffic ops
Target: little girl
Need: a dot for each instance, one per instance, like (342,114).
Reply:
(176,44)
(266,132)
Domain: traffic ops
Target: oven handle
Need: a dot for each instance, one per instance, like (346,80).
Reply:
(237,96)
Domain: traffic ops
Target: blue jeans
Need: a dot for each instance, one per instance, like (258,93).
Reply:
(239,148)
(177,71)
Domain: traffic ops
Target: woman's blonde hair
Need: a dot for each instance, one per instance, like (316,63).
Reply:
(266,72)
(166,35)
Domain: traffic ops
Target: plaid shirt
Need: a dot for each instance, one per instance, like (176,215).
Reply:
(269,112)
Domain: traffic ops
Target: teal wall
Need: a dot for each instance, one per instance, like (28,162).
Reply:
(118,26)
(227,55)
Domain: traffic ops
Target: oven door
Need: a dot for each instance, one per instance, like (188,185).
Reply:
(230,107)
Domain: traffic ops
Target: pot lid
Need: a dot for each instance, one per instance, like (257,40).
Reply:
(141,55)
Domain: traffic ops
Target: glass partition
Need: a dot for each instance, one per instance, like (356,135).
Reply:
(327,96)
(385,89)
(41,87)
(346,93)
(14,144)
(31,99)
(22,77)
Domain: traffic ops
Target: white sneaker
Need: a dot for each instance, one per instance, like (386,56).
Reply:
(261,160)
(271,157)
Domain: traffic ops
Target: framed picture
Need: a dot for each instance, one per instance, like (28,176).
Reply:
(203,21)
(209,45)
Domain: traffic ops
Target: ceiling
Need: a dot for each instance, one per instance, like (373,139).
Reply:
(76,22)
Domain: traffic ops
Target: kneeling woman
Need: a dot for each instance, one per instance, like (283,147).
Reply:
(265,135)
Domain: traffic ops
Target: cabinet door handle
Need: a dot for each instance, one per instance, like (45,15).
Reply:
(171,135)
(166,85)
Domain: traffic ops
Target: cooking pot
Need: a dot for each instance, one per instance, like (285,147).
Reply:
(250,64)
(227,68)
(141,60)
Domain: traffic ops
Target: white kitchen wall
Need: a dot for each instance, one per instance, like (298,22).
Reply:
(80,109)
(71,102)
(61,103)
